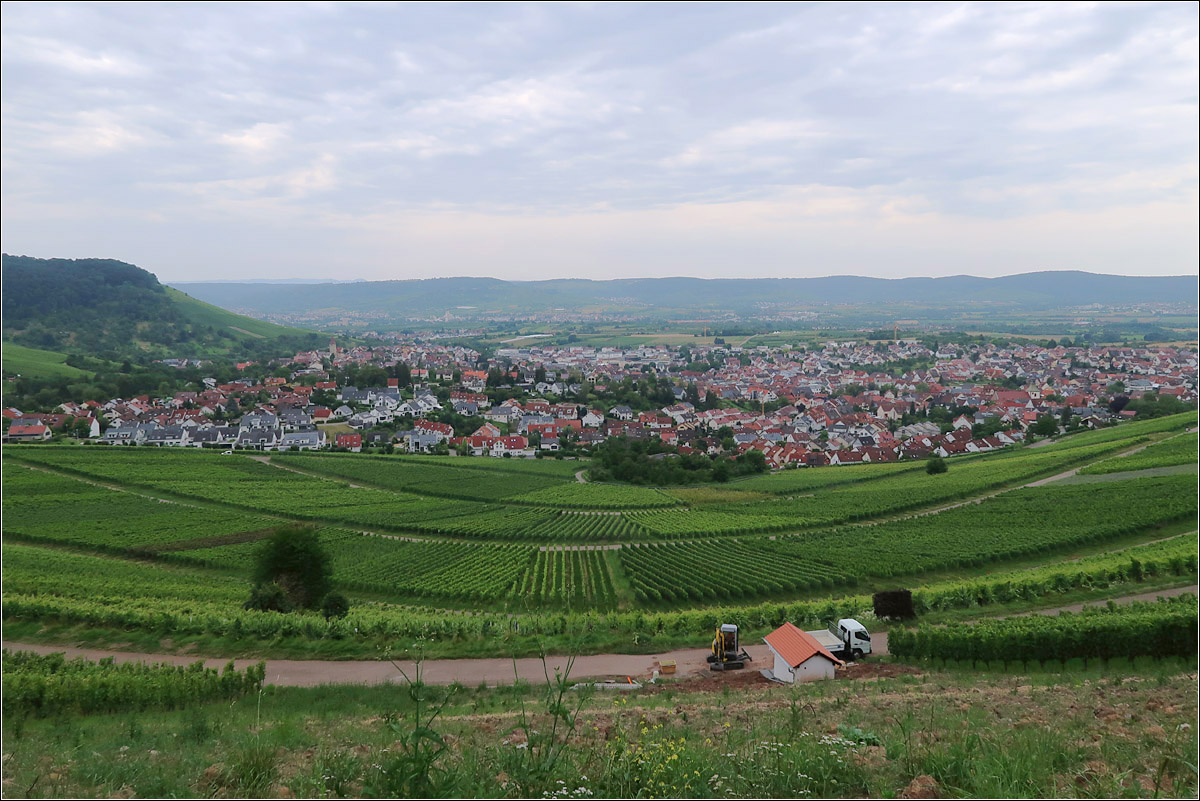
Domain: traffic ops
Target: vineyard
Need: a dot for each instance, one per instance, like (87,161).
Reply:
(53,685)
(503,547)
(1177,450)
(1166,628)
(1019,523)
(48,585)
(43,507)
(438,480)
(572,579)
(711,570)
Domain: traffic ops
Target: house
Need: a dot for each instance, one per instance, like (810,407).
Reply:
(593,419)
(168,436)
(351,441)
(309,440)
(622,413)
(418,440)
(798,656)
(259,439)
(514,445)
(33,432)
(442,431)
(213,436)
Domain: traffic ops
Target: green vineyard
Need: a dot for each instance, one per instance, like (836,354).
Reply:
(163,540)
(1166,628)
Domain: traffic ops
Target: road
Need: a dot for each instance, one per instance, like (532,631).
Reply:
(472,672)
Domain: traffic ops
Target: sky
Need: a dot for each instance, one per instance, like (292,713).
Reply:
(602,140)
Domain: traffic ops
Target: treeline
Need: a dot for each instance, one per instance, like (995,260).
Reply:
(655,463)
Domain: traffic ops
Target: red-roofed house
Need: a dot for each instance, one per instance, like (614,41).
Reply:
(34,432)
(798,656)
(351,441)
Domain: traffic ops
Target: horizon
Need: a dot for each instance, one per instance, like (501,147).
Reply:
(664,278)
(528,142)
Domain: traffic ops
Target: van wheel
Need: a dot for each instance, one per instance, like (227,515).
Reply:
(858,654)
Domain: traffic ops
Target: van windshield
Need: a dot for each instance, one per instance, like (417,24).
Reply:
(862,635)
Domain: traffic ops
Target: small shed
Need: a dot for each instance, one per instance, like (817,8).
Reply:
(798,656)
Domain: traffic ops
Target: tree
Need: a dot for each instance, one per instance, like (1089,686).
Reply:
(335,605)
(935,466)
(1046,426)
(293,559)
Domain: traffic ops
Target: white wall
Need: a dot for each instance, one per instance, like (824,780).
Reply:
(815,668)
(782,670)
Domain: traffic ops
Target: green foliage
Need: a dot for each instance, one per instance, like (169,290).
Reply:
(714,570)
(53,685)
(1167,628)
(651,462)
(335,606)
(935,466)
(268,597)
(293,559)
(1177,450)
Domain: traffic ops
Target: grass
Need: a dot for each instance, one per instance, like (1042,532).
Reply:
(1125,730)
(197,312)
(37,363)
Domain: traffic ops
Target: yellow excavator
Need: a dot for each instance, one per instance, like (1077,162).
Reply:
(726,653)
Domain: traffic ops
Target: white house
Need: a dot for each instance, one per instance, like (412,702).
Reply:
(798,656)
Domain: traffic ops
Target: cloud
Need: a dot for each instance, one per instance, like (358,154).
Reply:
(745,133)
(256,139)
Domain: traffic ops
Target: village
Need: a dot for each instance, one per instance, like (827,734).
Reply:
(836,404)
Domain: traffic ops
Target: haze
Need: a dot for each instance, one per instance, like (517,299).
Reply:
(535,141)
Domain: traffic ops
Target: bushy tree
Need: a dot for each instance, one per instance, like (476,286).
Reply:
(935,466)
(293,559)
(335,605)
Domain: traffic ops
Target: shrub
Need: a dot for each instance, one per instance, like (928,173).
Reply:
(896,604)
(335,605)
(293,559)
(935,466)
(268,597)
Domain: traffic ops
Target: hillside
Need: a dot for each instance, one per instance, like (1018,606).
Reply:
(649,295)
(110,310)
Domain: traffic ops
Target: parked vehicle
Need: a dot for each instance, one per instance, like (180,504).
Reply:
(847,639)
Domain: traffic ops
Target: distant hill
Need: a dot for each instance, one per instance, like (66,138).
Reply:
(110,310)
(440,295)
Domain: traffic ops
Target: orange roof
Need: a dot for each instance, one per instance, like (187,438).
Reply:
(796,646)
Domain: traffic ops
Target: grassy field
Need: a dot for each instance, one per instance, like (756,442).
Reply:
(1121,730)
(198,312)
(36,363)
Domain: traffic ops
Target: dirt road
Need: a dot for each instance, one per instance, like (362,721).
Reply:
(471,672)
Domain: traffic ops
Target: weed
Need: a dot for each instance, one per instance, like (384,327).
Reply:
(413,769)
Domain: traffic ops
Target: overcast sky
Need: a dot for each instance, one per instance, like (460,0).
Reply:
(344,140)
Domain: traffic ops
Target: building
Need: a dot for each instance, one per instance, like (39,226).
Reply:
(351,441)
(798,656)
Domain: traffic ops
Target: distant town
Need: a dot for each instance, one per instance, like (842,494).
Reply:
(834,404)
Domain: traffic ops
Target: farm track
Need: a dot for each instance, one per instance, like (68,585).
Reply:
(471,672)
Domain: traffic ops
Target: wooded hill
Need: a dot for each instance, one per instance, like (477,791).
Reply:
(647,296)
(113,311)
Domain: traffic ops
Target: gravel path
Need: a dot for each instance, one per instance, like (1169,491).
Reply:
(471,672)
